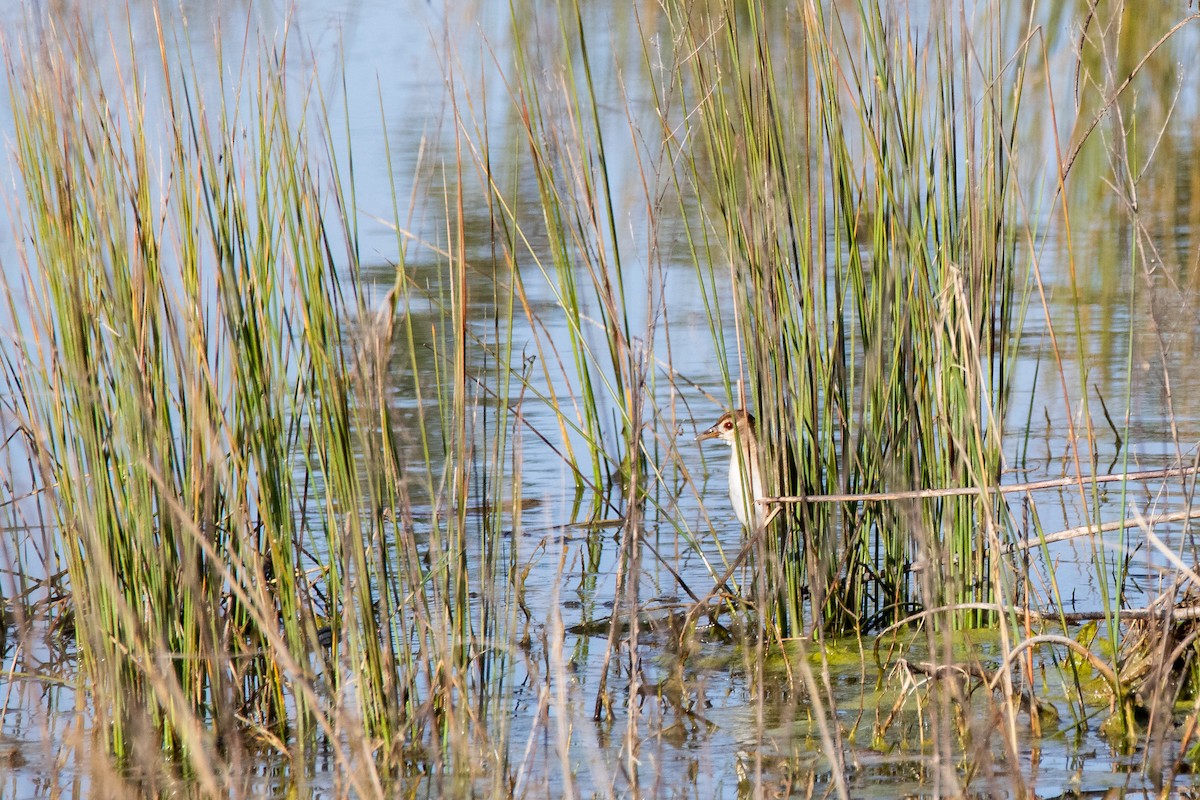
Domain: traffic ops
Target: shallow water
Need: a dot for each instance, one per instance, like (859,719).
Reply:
(388,64)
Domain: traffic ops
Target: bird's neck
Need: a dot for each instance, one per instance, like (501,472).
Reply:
(745,483)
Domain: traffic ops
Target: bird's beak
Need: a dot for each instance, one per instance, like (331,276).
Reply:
(711,433)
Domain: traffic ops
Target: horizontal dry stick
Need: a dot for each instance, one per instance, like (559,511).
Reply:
(1104,527)
(923,494)
(1174,613)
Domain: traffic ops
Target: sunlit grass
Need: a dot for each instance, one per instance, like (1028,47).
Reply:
(206,394)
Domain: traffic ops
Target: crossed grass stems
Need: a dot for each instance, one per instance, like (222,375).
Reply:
(207,399)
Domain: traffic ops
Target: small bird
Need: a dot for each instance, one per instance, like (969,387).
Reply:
(736,429)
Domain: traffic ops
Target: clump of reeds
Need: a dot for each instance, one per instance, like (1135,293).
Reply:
(203,384)
(855,169)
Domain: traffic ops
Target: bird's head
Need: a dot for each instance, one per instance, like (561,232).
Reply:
(733,426)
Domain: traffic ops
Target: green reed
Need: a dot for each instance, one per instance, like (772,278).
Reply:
(859,198)
(206,389)
(565,145)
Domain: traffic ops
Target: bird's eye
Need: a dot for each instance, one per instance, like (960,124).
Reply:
(728,426)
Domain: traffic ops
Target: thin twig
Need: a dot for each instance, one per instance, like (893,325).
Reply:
(922,494)
(1097,663)
(1175,613)
(1116,94)
(1104,527)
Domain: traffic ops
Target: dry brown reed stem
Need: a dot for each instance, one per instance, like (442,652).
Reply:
(1173,613)
(1099,665)
(944,671)
(1101,114)
(1104,527)
(366,782)
(957,491)
(720,583)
